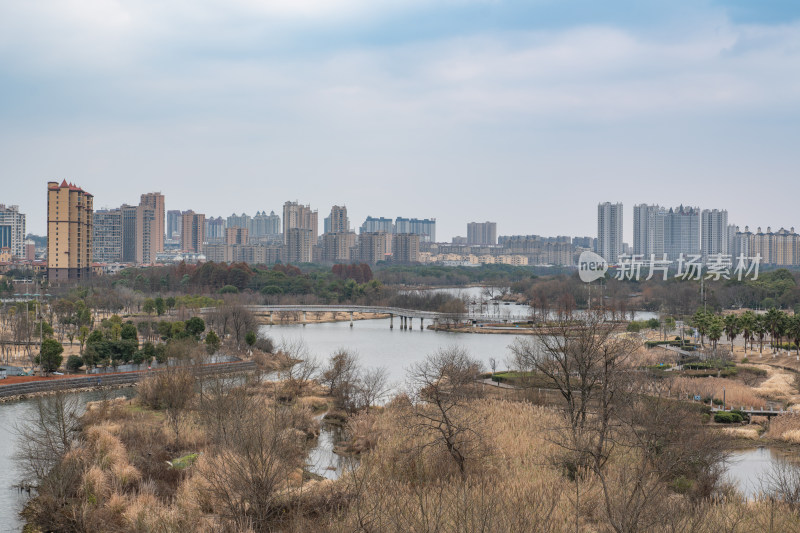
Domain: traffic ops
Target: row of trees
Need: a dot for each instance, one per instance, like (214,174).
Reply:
(752,327)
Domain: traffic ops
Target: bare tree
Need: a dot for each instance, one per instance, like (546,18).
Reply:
(244,478)
(441,386)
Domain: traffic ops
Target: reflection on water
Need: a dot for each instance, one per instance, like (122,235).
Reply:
(321,460)
(749,470)
(12,413)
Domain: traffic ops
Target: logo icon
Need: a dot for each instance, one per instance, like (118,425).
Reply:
(591,267)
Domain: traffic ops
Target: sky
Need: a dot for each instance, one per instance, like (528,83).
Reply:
(527,113)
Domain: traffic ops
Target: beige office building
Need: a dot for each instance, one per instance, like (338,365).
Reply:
(193,227)
(70,211)
(236,235)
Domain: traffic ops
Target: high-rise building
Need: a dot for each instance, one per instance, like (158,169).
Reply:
(648,230)
(155,239)
(336,246)
(215,230)
(299,216)
(239,221)
(482,233)
(374,246)
(264,225)
(299,245)
(174,224)
(682,232)
(69,232)
(107,241)
(147,235)
(236,235)
(780,248)
(373,225)
(425,228)
(12,230)
(337,221)
(609,231)
(714,233)
(405,248)
(130,214)
(192,231)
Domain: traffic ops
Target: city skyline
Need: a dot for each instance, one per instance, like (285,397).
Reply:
(537,105)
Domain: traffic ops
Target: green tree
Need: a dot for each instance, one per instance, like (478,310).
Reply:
(74,363)
(160,306)
(250,338)
(715,328)
(760,331)
(731,328)
(747,323)
(129,333)
(701,321)
(195,326)
(775,320)
(50,357)
(212,342)
(793,331)
(149,306)
(170,301)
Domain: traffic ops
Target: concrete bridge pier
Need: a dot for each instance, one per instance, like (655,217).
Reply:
(270,318)
(421,323)
(391,321)
(435,324)
(405,323)
(410,322)
(304,318)
(351,319)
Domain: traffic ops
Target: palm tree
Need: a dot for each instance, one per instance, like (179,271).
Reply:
(774,323)
(793,331)
(732,328)
(701,321)
(715,327)
(760,331)
(747,321)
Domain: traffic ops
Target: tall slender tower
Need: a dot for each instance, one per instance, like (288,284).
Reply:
(70,212)
(609,231)
(155,201)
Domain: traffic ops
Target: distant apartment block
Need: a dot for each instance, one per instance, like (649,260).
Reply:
(239,221)
(405,248)
(192,232)
(609,231)
(337,221)
(648,230)
(264,225)
(336,247)
(215,229)
(375,225)
(155,201)
(425,227)
(300,245)
(779,248)
(374,247)
(236,235)
(107,241)
(70,212)
(682,232)
(301,217)
(12,230)
(714,237)
(482,233)
(173,224)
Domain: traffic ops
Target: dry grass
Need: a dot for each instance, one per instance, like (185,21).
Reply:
(736,394)
(742,433)
(785,427)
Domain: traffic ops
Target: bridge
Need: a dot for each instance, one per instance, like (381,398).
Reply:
(405,316)
(752,411)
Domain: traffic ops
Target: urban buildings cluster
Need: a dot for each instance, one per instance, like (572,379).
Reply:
(669,233)
(82,242)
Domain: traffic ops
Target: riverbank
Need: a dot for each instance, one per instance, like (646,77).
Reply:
(313,317)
